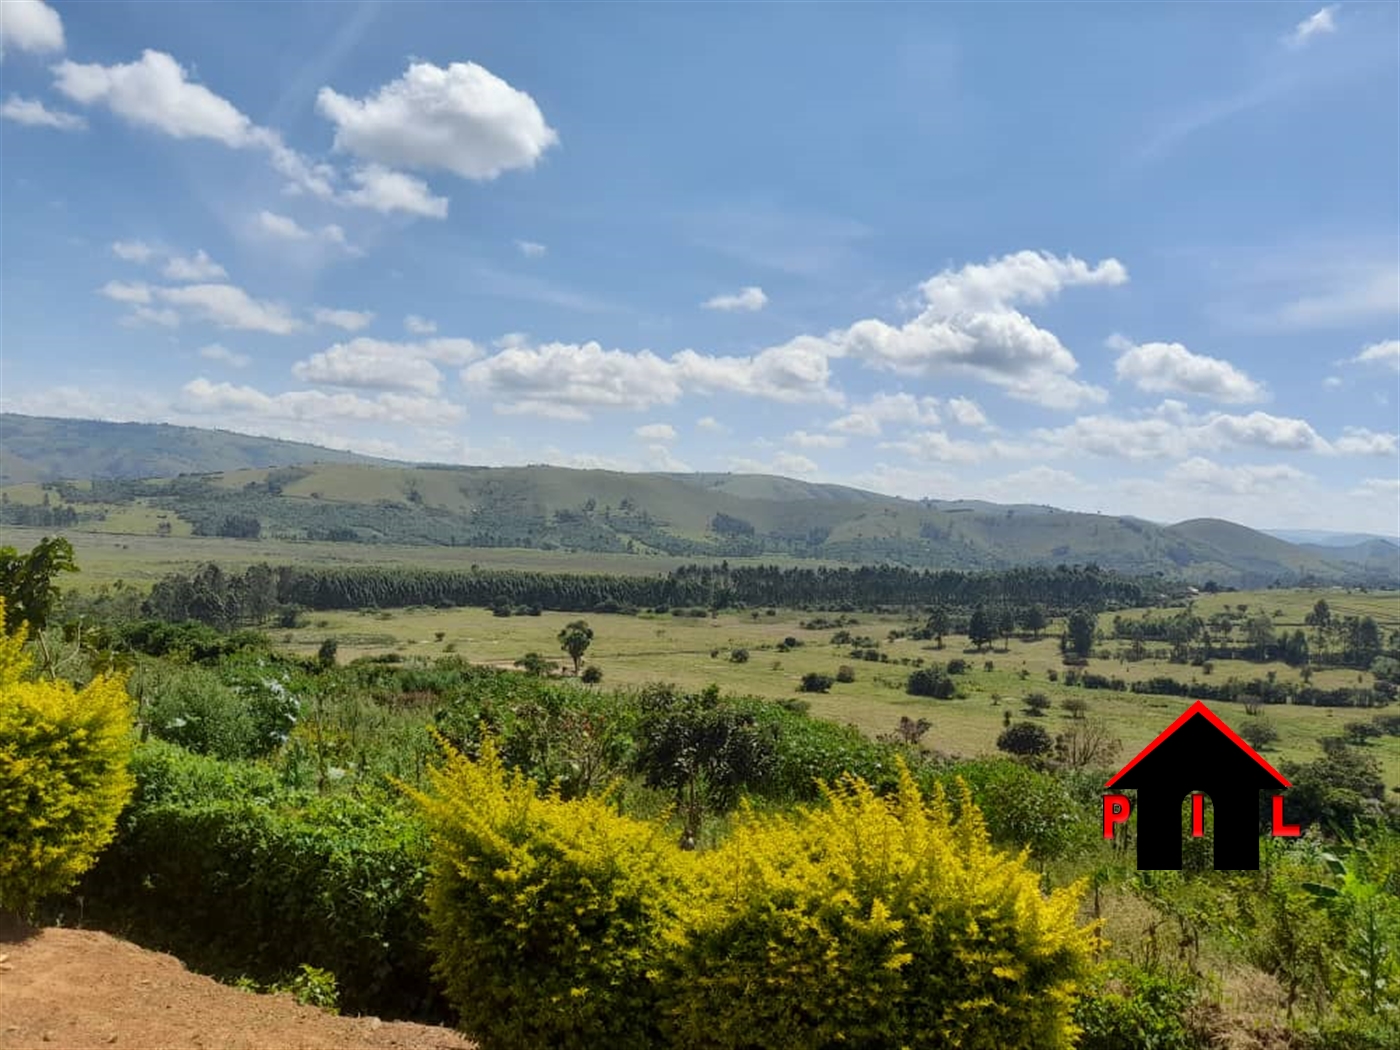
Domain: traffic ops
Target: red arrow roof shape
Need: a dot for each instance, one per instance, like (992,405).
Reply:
(1199,708)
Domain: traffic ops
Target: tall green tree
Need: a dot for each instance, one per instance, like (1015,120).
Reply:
(1079,633)
(27,582)
(981,630)
(574,639)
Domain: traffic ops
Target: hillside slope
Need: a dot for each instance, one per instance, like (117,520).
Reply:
(37,448)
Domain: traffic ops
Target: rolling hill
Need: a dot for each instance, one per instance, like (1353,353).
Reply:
(36,448)
(301,492)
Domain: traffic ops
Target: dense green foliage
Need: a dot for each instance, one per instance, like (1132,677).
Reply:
(63,775)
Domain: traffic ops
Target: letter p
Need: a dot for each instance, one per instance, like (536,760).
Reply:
(1116,810)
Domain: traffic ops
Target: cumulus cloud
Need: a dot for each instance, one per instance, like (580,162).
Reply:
(386,191)
(567,379)
(229,306)
(531,249)
(350,320)
(802,439)
(656,432)
(1359,441)
(750,299)
(198,267)
(154,92)
(1247,480)
(374,364)
(133,251)
(33,113)
(1332,383)
(711,425)
(970,326)
(1319,23)
(1384,353)
(30,25)
(223,355)
(788,463)
(248,403)
(419,325)
(150,315)
(1378,489)
(937,446)
(126,291)
(1170,368)
(868,418)
(462,119)
(966,412)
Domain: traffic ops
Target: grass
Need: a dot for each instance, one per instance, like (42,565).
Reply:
(634,650)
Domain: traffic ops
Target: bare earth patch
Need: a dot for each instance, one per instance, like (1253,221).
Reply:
(79,988)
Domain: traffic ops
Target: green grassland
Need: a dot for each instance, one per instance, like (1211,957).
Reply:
(632,650)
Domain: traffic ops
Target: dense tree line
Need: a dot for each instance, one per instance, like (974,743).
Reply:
(214,596)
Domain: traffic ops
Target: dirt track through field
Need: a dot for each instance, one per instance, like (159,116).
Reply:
(79,989)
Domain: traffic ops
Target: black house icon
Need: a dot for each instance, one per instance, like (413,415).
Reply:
(1198,752)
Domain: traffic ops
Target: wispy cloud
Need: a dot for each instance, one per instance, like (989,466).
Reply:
(1320,23)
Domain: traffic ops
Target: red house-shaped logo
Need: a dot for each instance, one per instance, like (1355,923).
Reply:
(1198,753)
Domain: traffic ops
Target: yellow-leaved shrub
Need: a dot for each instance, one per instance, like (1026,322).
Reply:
(549,917)
(863,922)
(63,775)
(875,922)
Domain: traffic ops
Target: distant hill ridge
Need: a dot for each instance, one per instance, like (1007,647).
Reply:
(247,486)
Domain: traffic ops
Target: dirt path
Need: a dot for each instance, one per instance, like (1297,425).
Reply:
(74,989)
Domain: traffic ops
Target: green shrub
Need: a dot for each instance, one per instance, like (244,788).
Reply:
(814,682)
(192,707)
(1025,808)
(873,922)
(548,917)
(1127,1008)
(63,775)
(215,862)
(930,681)
(845,673)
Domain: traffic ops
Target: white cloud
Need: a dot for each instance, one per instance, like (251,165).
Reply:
(802,439)
(1317,24)
(282,226)
(711,425)
(750,299)
(1170,368)
(531,249)
(374,364)
(1359,441)
(1379,489)
(463,119)
(937,446)
(126,291)
(386,192)
(656,432)
(575,377)
(154,92)
(197,268)
(223,355)
(229,306)
(202,396)
(966,412)
(33,113)
(144,315)
(350,320)
(868,418)
(579,377)
(1360,294)
(969,326)
(133,251)
(1332,382)
(787,463)
(419,325)
(1248,480)
(30,25)
(1385,353)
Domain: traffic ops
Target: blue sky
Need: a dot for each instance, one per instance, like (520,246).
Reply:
(1141,259)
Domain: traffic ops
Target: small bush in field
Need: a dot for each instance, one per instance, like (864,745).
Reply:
(845,673)
(739,656)
(814,682)
(592,675)
(64,779)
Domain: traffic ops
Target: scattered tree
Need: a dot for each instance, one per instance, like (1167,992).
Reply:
(1079,633)
(981,631)
(592,674)
(533,663)
(1087,744)
(1037,703)
(27,582)
(325,656)
(1075,706)
(814,682)
(1024,739)
(1258,733)
(930,681)
(574,639)
(845,673)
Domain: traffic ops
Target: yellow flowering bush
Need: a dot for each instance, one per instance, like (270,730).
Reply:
(864,922)
(63,775)
(548,916)
(875,922)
